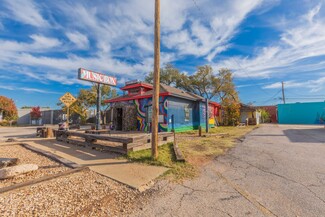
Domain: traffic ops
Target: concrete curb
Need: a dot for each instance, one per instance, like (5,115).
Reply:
(9,143)
(42,179)
(52,156)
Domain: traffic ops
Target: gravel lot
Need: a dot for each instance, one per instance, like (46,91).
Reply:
(25,156)
(84,193)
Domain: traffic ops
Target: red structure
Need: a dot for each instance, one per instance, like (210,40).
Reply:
(273,111)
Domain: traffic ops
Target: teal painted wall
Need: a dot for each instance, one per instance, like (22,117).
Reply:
(301,113)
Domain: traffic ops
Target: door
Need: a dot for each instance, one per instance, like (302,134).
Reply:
(119,118)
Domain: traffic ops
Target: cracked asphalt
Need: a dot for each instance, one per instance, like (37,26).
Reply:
(278,170)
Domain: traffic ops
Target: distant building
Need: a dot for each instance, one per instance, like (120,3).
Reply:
(250,115)
(178,110)
(273,112)
(302,113)
(49,116)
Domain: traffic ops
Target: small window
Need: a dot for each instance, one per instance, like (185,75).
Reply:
(187,113)
(150,114)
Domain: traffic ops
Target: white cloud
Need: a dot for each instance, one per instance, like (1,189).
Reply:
(80,40)
(303,39)
(145,44)
(212,29)
(313,85)
(28,89)
(40,44)
(27,12)
(122,33)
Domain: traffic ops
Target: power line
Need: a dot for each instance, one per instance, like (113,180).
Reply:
(305,98)
(273,97)
(303,95)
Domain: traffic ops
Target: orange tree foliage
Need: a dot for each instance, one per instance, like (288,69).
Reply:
(35,113)
(231,109)
(8,109)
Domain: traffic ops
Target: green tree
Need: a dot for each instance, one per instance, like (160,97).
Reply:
(225,87)
(87,98)
(231,111)
(169,75)
(265,115)
(203,82)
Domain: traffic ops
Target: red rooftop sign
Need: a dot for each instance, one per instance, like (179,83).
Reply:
(87,75)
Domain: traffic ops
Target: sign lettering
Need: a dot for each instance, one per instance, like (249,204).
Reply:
(87,75)
(67,99)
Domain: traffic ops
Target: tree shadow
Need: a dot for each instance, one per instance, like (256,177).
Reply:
(314,135)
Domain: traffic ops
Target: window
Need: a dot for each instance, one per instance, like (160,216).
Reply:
(149,114)
(187,113)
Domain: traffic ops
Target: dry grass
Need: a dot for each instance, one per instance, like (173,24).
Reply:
(200,150)
(197,150)
(166,158)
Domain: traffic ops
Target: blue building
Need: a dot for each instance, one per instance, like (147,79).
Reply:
(302,113)
(178,110)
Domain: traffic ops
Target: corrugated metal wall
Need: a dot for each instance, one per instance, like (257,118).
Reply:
(301,113)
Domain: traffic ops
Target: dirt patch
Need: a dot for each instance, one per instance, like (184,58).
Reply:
(25,156)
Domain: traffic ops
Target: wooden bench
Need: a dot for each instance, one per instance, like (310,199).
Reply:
(104,131)
(128,143)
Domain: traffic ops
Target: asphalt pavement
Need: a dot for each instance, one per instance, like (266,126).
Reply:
(278,170)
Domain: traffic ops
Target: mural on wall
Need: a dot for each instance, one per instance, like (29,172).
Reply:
(202,114)
(211,115)
(142,106)
(163,107)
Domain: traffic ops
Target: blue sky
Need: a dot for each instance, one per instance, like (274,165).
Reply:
(263,42)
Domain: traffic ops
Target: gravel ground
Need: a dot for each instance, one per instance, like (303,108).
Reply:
(25,156)
(84,193)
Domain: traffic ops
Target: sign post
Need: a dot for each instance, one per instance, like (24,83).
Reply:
(67,99)
(98,107)
(99,78)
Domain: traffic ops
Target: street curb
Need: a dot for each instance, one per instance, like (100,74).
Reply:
(54,157)
(42,179)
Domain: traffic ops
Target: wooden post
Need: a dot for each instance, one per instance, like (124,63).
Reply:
(283,97)
(68,116)
(207,115)
(98,127)
(156,83)
(200,131)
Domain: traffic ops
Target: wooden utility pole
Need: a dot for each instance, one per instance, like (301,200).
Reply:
(156,84)
(206,115)
(283,98)
(98,104)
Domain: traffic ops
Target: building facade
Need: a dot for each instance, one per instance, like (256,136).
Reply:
(249,115)
(178,109)
(302,113)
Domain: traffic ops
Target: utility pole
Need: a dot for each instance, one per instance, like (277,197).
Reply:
(206,115)
(156,84)
(283,98)
(98,107)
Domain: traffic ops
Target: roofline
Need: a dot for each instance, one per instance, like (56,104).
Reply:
(119,99)
(215,103)
(136,85)
(134,97)
(184,97)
